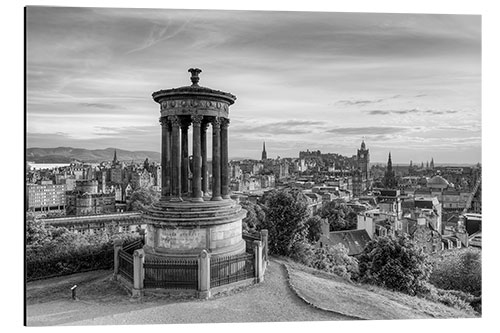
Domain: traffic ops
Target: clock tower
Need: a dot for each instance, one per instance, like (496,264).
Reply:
(364,161)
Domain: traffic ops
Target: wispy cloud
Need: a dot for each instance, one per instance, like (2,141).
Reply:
(369,130)
(409,111)
(101,106)
(366,101)
(281,127)
(128,131)
(91,72)
(159,33)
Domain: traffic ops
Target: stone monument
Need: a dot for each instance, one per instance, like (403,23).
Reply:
(192,216)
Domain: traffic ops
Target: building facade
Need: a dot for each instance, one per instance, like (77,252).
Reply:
(46,197)
(85,199)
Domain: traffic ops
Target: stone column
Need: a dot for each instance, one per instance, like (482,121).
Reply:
(165,158)
(216,160)
(224,159)
(184,158)
(117,245)
(204,275)
(196,190)
(204,165)
(176,160)
(138,273)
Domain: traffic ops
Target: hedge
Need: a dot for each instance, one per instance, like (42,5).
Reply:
(48,261)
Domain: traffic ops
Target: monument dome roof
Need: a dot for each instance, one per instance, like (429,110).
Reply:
(437,180)
(193,90)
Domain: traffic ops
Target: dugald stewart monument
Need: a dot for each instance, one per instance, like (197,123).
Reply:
(188,218)
(193,241)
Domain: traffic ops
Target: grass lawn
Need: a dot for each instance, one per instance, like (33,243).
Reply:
(370,302)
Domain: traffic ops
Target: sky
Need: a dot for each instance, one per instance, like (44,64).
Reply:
(408,84)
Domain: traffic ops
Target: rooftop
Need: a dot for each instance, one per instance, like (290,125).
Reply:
(354,240)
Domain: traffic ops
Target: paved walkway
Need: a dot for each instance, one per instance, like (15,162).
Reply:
(270,301)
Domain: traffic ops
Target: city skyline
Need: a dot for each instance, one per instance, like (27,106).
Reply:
(409,84)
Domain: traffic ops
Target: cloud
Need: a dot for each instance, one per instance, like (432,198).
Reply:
(373,130)
(84,65)
(128,131)
(366,101)
(409,111)
(281,127)
(159,33)
(101,105)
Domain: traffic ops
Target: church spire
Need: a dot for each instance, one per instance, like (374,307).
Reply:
(264,153)
(389,180)
(115,160)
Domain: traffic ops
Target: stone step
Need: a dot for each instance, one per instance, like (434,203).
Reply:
(189,209)
(191,215)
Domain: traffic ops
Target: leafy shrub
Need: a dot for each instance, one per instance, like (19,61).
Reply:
(339,215)
(395,263)
(314,230)
(57,251)
(302,252)
(459,269)
(254,218)
(44,262)
(142,198)
(335,260)
(328,259)
(456,299)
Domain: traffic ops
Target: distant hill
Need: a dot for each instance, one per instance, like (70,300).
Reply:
(68,154)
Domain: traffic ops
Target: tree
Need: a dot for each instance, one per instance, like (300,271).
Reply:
(339,215)
(255,216)
(395,263)
(314,230)
(286,212)
(142,198)
(37,233)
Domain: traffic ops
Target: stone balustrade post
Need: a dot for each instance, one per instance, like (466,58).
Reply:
(264,236)
(138,273)
(117,245)
(204,275)
(259,271)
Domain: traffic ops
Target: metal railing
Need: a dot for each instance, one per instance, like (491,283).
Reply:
(175,273)
(230,269)
(126,265)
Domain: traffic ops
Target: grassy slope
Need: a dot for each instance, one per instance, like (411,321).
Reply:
(322,289)
(370,302)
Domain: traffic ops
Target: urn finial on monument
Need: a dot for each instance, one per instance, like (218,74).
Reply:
(194,75)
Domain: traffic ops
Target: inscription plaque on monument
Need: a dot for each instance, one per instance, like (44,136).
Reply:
(182,238)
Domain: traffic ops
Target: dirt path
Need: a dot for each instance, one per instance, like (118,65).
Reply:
(102,302)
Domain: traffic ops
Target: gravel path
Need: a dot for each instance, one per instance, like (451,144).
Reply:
(270,301)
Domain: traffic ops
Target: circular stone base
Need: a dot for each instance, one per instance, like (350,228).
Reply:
(184,229)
